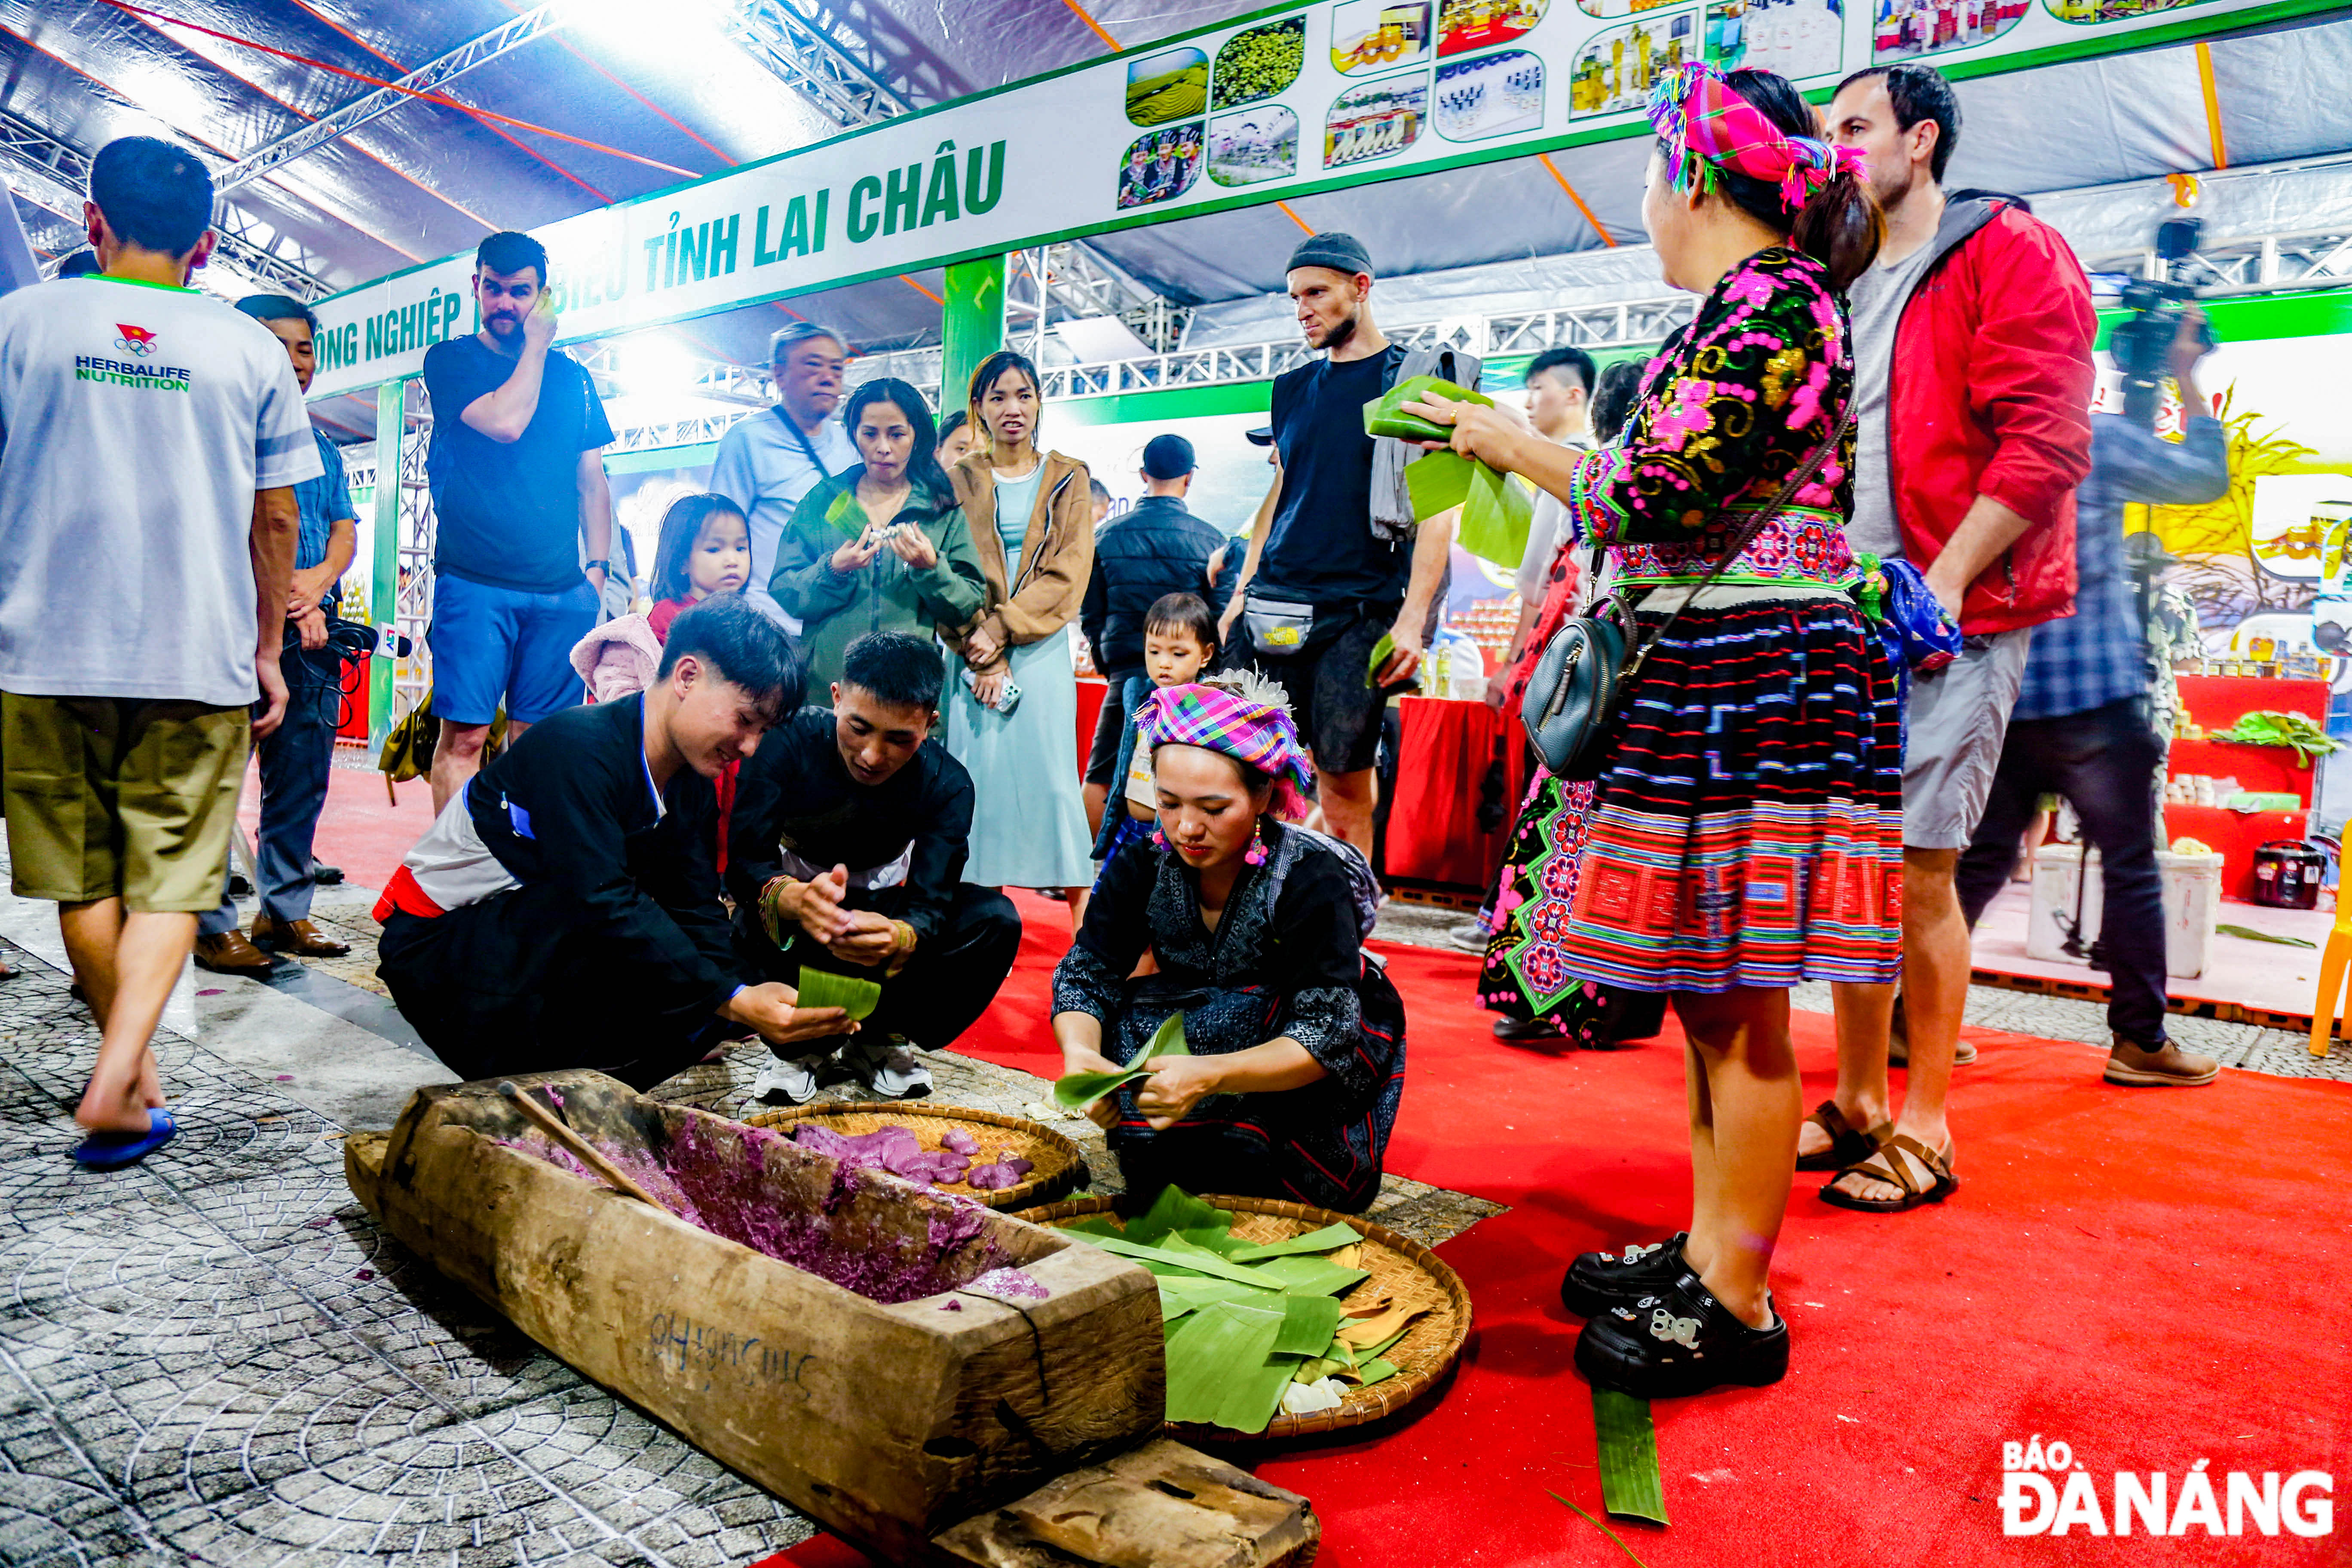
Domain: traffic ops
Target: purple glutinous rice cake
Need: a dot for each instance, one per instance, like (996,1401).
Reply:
(890,1359)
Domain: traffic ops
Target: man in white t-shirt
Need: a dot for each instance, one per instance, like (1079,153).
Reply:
(766,464)
(150,442)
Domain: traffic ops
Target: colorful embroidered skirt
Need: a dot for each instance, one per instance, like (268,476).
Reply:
(1748,827)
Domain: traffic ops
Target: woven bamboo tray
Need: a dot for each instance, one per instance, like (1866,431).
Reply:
(1059,1167)
(1426,1354)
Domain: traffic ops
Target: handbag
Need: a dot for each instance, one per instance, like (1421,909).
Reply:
(1579,684)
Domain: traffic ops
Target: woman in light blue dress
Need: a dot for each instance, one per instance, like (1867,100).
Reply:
(1031,519)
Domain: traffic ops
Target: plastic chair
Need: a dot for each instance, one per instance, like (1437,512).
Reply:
(2332,963)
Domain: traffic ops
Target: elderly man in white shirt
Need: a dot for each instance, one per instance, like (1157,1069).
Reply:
(765,465)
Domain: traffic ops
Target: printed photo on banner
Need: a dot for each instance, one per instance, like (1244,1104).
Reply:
(1171,85)
(1497,95)
(1798,38)
(1905,27)
(1258,62)
(1255,145)
(1608,8)
(1466,25)
(1160,166)
(2090,13)
(1378,120)
(1615,69)
(1373,35)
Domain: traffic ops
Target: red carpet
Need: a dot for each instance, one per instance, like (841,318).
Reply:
(2155,1276)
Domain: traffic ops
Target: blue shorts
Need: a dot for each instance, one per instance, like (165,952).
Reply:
(489,644)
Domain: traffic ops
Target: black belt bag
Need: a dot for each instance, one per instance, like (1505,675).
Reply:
(1579,684)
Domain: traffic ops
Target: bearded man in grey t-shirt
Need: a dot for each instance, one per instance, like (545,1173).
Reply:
(1973,375)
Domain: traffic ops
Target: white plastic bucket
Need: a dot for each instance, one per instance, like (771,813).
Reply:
(2192,904)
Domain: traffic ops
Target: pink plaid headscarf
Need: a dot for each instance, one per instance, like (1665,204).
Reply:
(1249,730)
(1707,126)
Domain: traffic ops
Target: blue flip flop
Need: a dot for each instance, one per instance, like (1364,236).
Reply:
(112,1151)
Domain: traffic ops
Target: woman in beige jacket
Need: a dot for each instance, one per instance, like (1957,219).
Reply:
(1013,710)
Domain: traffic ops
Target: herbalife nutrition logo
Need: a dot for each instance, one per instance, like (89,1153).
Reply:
(139,342)
(2045,1492)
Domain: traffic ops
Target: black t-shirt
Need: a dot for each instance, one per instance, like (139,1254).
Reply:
(1321,550)
(508,514)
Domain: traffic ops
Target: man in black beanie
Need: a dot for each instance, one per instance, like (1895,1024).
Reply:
(1322,584)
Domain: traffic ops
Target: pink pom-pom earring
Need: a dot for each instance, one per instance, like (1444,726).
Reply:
(1256,854)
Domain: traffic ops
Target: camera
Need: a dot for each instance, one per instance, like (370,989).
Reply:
(2143,345)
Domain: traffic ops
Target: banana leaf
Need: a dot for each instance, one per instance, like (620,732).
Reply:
(1209,1350)
(1306,1275)
(1630,1482)
(1323,1241)
(824,988)
(1381,651)
(1496,508)
(1438,481)
(1198,1261)
(1368,1373)
(1075,1091)
(1168,1040)
(1253,1395)
(1307,1322)
(1496,517)
(1385,415)
(1173,1210)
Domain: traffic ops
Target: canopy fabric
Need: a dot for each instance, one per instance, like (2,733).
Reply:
(425,179)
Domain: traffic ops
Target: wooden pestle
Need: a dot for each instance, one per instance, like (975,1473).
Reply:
(581,1150)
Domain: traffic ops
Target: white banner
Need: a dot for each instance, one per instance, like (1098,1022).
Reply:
(1290,103)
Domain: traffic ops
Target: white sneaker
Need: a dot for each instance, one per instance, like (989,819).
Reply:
(889,1068)
(1470,936)
(793,1081)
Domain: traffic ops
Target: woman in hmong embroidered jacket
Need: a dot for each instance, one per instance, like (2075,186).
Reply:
(1746,828)
(1256,928)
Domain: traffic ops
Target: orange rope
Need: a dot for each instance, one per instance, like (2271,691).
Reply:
(1294,217)
(1111,43)
(2213,106)
(1545,159)
(918,288)
(395,87)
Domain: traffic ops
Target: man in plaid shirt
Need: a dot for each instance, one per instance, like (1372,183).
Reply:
(2081,728)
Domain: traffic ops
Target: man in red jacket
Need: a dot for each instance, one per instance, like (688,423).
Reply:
(1972,369)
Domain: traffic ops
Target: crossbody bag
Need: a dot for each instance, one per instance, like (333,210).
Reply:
(1581,683)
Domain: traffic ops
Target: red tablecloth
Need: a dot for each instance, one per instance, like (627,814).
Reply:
(1445,750)
(352,721)
(1090,701)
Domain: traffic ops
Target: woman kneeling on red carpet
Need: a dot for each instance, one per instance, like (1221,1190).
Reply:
(1297,1038)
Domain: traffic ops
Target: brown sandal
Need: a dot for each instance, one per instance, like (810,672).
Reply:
(1847,1146)
(1941,1183)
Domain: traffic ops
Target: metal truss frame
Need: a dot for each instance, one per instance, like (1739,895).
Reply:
(426,78)
(2264,264)
(816,52)
(54,174)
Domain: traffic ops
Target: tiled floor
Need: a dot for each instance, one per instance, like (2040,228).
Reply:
(216,1357)
(2242,1045)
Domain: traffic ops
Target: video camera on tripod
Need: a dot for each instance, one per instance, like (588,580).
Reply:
(2143,345)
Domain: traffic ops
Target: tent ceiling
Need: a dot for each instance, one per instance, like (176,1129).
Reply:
(664,83)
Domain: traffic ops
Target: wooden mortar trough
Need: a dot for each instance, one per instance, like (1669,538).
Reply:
(890,1423)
